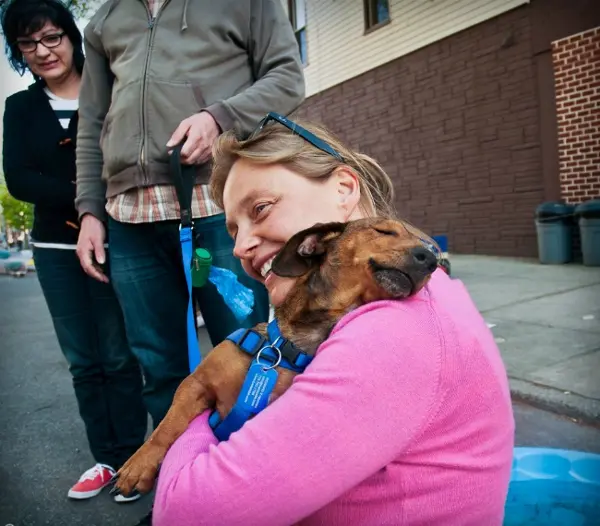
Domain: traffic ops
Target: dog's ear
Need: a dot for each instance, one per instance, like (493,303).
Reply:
(305,249)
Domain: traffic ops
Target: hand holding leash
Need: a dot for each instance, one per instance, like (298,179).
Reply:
(200,132)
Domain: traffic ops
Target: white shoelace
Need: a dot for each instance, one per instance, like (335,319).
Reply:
(93,472)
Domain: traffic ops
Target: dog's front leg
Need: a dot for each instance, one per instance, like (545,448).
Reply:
(139,472)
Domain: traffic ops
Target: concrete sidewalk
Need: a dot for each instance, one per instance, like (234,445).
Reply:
(546,320)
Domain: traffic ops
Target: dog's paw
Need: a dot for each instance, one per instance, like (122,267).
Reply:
(139,472)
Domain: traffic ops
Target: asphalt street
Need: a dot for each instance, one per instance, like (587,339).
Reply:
(42,443)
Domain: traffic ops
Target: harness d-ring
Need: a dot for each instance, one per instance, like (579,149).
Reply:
(258,385)
(277,362)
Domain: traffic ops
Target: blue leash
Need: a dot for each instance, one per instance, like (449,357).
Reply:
(183,178)
(236,296)
(187,248)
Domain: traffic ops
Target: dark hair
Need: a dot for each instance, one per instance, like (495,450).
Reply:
(23,17)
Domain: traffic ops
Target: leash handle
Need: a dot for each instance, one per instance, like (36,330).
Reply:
(183,178)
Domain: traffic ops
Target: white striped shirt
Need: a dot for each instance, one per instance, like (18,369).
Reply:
(64,108)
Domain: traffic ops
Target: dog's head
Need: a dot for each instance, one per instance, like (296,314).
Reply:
(349,264)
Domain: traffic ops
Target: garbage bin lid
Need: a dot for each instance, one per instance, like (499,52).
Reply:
(588,208)
(553,209)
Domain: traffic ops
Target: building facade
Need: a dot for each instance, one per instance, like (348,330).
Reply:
(479,109)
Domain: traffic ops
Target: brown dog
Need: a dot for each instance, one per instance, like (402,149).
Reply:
(339,267)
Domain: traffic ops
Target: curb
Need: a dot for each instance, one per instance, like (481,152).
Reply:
(557,401)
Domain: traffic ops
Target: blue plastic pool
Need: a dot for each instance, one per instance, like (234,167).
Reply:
(553,487)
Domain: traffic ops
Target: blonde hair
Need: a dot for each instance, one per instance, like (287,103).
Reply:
(275,144)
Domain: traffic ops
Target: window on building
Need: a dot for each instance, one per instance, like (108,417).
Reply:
(297,11)
(377,12)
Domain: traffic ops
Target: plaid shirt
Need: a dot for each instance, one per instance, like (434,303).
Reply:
(157,203)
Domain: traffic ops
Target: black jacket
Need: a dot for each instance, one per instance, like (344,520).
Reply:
(39,163)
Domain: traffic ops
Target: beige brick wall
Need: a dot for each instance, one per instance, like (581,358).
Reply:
(576,61)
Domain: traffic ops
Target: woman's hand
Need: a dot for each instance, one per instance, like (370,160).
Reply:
(90,246)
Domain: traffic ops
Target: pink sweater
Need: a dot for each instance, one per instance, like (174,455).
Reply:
(403,418)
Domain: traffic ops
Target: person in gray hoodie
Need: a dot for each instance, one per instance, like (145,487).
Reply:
(157,74)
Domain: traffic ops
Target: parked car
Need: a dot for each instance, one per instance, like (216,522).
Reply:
(16,263)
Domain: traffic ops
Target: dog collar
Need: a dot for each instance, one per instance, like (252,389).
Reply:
(267,353)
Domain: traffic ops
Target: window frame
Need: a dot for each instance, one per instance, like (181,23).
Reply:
(298,31)
(369,8)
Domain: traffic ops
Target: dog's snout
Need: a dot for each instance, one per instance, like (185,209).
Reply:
(424,258)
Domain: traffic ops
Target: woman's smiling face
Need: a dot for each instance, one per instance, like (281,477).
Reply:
(266,205)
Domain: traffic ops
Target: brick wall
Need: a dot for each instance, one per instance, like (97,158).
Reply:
(456,124)
(576,62)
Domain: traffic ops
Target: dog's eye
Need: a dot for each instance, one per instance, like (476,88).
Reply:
(385,232)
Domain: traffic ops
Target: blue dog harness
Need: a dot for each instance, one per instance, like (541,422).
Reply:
(267,353)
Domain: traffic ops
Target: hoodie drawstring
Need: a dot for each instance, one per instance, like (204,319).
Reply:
(184,16)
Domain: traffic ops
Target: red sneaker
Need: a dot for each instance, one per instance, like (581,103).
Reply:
(92,482)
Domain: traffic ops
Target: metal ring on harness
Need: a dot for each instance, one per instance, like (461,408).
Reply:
(277,362)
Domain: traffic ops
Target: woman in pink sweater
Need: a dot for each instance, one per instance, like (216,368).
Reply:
(404,416)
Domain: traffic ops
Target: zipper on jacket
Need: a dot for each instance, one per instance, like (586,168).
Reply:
(151,24)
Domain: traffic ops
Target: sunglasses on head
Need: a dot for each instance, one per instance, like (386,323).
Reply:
(297,130)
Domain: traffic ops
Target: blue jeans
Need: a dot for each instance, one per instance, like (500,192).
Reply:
(106,376)
(148,277)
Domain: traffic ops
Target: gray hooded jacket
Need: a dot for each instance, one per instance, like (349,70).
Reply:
(236,59)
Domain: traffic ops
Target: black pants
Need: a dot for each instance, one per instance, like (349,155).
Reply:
(91,333)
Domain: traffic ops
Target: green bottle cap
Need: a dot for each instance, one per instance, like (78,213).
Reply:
(201,263)
(203,256)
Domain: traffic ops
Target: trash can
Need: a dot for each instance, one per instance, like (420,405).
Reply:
(554,224)
(588,216)
(443,259)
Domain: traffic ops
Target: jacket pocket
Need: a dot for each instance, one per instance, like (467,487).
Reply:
(169,102)
(120,139)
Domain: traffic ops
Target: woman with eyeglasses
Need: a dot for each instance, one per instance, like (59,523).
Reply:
(403,417)
(40,126)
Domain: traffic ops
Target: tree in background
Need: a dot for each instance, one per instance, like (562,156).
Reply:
(83,8)
(80,8)
(17,214)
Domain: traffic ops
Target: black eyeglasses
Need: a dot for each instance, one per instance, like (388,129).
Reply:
(48,41)
(298,130)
